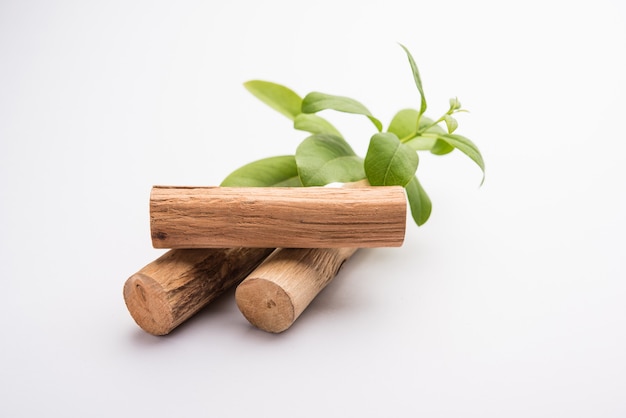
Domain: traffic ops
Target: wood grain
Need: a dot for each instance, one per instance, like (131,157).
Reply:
(274,295)
(279,217)
(169,290)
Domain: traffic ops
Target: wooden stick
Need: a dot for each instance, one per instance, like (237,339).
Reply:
(277,217)
(168,291)
(274,295)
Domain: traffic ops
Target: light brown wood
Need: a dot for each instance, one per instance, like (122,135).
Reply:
(277,217)
(169,290)
(274,295)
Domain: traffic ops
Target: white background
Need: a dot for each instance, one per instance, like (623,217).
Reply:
(509,302)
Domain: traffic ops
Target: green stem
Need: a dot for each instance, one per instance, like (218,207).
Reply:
(408,137)
(417,125)
(441,119)
(416,134)
(422,131)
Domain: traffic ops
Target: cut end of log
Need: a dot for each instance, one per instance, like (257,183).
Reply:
(147,303)
(265,305)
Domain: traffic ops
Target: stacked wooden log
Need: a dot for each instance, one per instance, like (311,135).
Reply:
(280,246)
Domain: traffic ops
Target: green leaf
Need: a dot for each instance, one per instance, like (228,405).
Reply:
(278,171)
(441,148)
(278,97)
(404,123)
(422,143)
(424,122)
(455,104)
(467,147)
(451,123)
(314,124)
(418,80)
(419,202)
(315,102)
(324,159)
(389,162)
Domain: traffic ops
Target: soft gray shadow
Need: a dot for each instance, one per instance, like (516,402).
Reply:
(337,296)
(215,310)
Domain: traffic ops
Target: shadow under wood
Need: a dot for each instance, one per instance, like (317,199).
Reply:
(219,308)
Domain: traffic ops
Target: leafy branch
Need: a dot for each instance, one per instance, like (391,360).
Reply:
(326,157)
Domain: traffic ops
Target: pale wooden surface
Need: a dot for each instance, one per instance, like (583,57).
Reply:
(280,217)
(178,284)
(277,292)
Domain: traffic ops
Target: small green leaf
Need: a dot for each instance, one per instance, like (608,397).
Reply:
(389,162)
(467,147)
(314,124)
(403,123)
(324,159)
(455,104)
(419,202)
(451,123)
(418,80)
(278,171)
(441,148)
(278,97)
(315,102)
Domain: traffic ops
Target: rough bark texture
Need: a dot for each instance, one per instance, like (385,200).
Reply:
(277,217)
(175,286)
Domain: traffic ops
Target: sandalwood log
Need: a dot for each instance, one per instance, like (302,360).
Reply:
(274,295)
(169,290)
(277,292)
(277,217)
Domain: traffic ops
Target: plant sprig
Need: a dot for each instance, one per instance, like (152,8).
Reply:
(326,157)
